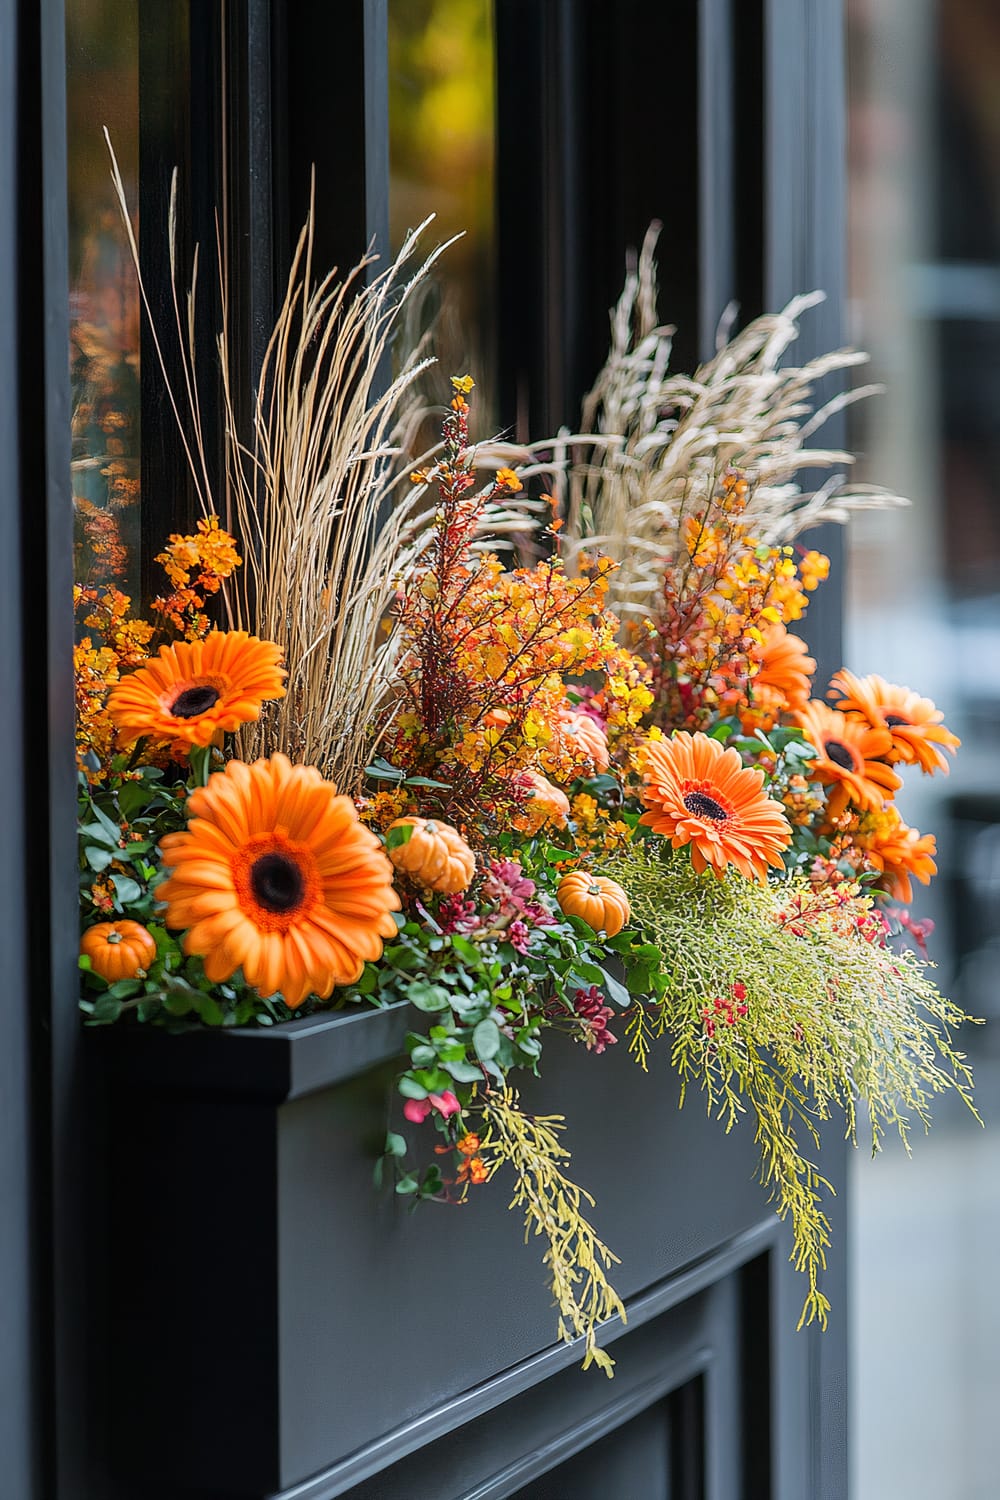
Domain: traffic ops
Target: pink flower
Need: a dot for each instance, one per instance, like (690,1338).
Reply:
(519,936)
(507,885)
(417,1110)
(593,1016)
(456,914)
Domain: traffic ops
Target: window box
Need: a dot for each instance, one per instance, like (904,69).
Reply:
(280,1314)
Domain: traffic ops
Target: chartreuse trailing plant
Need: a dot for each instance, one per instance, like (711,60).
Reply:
(416,771)
(782,1001)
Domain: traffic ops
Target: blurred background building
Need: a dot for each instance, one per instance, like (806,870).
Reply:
(923,607)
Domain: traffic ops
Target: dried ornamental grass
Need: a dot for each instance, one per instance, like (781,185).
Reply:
(661,440)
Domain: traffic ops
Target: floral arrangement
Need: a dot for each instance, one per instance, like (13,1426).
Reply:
(540,820)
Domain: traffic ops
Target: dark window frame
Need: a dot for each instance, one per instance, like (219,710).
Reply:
(765,151)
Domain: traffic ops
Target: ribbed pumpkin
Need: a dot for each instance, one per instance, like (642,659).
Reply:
(118,950)
(586,735)
(435,855)
(601,902)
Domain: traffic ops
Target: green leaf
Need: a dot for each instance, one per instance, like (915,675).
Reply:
(463,1072)
(486,1040)
(124,989)
(395,1145)
(422,1056)
(410,1088)
(398,835)
(615,990)
(465,950)
(106,1010)
(99,834)
(98,858)
(378,1171)
(126,889)
(381,770)
(407,1184)
(428,997)
(426,781)
(111,828)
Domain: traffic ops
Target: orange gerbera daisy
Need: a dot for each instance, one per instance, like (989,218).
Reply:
(699,794)
(783,680)
(919,736)
(900,852)
(194,689)
(850,760)
(275,875)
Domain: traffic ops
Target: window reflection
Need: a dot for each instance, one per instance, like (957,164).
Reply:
(102,59)
(442,63)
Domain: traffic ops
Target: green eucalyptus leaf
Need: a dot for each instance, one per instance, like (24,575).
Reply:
(486,1040)
(107,1010)
(127,890)
(411,1089)
(463,1072)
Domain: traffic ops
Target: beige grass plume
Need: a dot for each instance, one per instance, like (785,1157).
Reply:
(661,440)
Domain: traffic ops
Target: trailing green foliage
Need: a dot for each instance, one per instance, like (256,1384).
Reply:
(787,1001)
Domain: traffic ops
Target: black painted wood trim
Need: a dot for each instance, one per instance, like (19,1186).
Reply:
(272,1064)
(698,1278)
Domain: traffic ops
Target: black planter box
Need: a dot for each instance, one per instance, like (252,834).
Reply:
(272,1313)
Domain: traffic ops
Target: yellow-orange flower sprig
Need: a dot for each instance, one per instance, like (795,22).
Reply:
(112,641)
(488,657)
(196,565)
(723,594)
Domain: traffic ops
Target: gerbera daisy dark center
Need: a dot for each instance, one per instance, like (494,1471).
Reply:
(277,882)
(194,701)
(704,806)
(892,721)
(839,754)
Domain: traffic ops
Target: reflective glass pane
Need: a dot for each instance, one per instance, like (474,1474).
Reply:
(442,150)
(102,60)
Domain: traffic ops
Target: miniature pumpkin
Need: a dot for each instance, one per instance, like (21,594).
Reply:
(601,902)
(118,950)
(546,804)
(435,855)
(584,733)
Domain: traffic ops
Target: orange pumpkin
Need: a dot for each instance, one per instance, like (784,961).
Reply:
(583,733)
(601,902)
(435,855)
(546,804)
(118,950)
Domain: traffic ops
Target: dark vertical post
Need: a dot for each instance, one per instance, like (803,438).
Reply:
(716,114)
(332,111)
(43,1409)
(804,237)
(804,230)
(164,143)
(22,1442)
